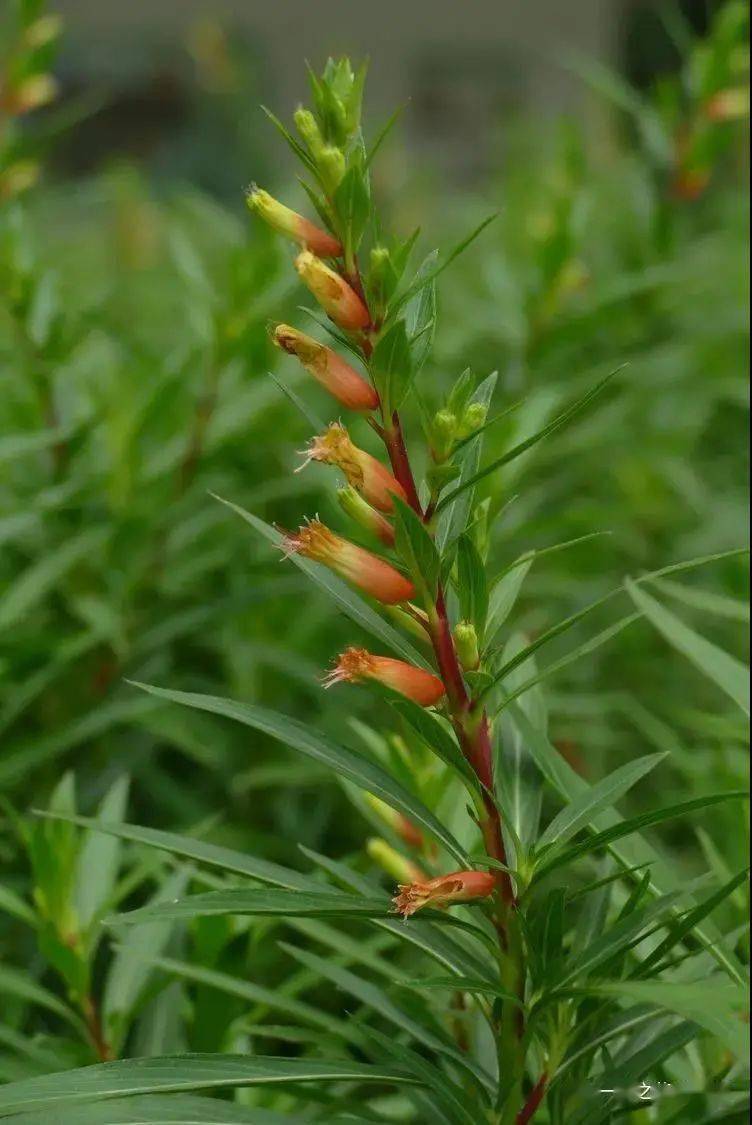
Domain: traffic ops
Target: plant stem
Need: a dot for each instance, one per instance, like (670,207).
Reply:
(94,1026)
(534,1100)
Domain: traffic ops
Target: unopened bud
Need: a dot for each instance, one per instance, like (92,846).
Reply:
(466,643)
(33,93)
(43,31)
(354,506)
(731,104)
(335,296)
(397,821)
(18,178)
(290,223)
(391,861)
(443,433)
(328,367)
(307,126)
(473,417)
(408,622)
(331,163)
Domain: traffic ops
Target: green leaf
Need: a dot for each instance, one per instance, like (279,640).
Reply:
(226,859)
(421,317)
(391,366)
(352,203)
(128,973)
(383,134)
(636,823)
(350,765)
(350,603)
(310,416)
(421,281)
(34,583)
(561,420)
(99,859)
(504,594)
(555,631)
(726,671)
(583,810)
(416,548)
(718,1005)
(13,982)
(636,852)
(684,927)
(435,734)
(295,145)
(373,996)
(472,586)
(272,998)
(258,904)
(463,984)
(617,939)
(156,1109)
(181,1072)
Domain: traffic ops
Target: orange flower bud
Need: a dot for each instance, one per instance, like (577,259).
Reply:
(368,572)
(290,223)
(408,832)
(363,471)
(446,890)
(357,664)
(335,296)
(338,377)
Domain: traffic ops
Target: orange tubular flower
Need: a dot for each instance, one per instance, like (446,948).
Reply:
(446,890)
(357,664)
(372,479)
(292,225)
(335,296)
(368,572)
(339,378)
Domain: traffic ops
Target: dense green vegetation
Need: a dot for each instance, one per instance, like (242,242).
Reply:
(139,378)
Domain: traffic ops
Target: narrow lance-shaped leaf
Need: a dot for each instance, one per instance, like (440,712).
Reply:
(368,775)
(580,812)
(181,1072)
(726,671)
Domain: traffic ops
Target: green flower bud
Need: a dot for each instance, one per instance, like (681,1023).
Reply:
(308,128)
(473,417)
(390,860)
(354,506)
(440,475)
(331,163)
(466,643)
(443,434)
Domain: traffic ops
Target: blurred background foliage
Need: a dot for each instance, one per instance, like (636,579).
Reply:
(134,376)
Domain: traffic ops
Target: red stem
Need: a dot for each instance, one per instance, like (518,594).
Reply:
(534,1100)
(395,447)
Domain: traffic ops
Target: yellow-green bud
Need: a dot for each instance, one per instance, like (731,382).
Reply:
(406,621)
(43,31)
(359,510)
(466,643)
(443,433)
(473,417)
(331,163)
(440,475)
(307,126)
(390,860)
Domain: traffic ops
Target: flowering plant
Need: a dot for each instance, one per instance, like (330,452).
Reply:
(571,963)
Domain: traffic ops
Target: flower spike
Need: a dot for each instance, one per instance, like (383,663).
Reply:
(335,296)
(372,479)
(368,572)
(446,890)
(328,368)
(357,664)
(288,222)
